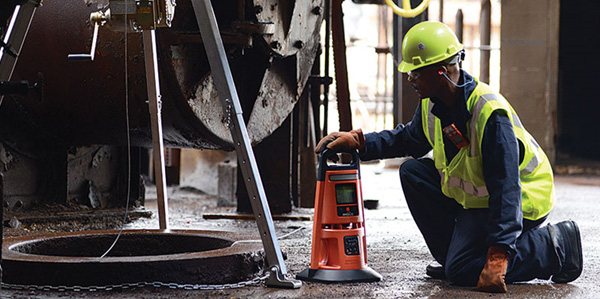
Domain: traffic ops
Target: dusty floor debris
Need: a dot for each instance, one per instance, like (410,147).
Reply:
(395,247)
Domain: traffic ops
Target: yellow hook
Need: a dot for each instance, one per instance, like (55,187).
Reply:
(409,12)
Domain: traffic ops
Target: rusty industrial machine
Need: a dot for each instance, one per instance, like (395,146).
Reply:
(69,139)
(64,141)
(221,75)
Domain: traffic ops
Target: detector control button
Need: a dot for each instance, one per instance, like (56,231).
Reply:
(351,245)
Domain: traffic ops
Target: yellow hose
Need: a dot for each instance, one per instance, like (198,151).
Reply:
(407,13)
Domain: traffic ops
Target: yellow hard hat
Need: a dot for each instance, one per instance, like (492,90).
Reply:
(427,43)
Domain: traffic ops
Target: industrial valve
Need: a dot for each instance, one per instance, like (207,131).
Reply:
(406,11)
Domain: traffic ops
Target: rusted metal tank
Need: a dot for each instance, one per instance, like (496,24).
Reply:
(271,46)
(62,143)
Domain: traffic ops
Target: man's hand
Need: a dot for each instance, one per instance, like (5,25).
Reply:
(342,141)
(492,276)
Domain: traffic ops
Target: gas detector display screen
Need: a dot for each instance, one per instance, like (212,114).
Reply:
(345,193)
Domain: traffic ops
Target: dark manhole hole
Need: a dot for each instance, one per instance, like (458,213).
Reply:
(134,244)
(180,256)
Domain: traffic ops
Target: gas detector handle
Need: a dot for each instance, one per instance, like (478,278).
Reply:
(328,153)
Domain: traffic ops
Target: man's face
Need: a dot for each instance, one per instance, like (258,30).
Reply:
(425,81)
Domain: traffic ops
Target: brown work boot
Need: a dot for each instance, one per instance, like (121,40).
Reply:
(492,276)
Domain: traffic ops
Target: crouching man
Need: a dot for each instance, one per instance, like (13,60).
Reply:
(481,200)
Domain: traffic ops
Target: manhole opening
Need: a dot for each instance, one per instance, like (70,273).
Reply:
(128,245)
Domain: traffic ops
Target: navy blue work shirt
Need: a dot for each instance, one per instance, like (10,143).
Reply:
(500,159)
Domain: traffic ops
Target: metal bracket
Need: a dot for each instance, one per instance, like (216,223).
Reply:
(223,79)
(277,279)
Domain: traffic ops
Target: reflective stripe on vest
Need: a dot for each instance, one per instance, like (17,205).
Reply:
(534,162)
(431,124)
(467,187)
(477,111)
(462,177)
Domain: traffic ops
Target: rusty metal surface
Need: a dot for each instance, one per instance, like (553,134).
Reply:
(92,176)
(46,137)
(341,67)
(182,256)
(271,46)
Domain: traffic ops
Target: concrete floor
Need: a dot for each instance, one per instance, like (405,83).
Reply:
(395,247)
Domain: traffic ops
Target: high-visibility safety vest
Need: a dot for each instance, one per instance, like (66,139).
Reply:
(462,179)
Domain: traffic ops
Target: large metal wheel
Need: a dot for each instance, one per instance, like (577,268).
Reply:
(271,46)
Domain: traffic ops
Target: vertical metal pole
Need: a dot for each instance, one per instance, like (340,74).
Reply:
(315,94)
(485,24)
(15,37)
(381,64)
(223,79)
(341,66)
(458,25)
(397,78)
(386,94)
(327,20)
(297,126)
(442,11)
(153,86)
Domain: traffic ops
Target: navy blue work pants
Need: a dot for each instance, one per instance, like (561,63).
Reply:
(456,237)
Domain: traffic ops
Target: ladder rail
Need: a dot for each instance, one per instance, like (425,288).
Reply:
(228,96)
(15,38)
(155,107)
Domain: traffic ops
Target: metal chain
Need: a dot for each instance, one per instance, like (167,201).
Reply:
(157,284)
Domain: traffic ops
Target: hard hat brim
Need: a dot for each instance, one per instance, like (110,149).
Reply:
(406,67)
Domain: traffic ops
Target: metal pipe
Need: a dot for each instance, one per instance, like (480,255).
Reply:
(397,77)
(327,19)
(341,66)
(458,25)
(381,62)
(442,11)
(485,24)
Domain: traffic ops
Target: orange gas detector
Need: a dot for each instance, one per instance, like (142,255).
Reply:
(339,245)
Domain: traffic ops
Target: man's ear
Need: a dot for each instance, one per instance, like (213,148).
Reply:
(441,70)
